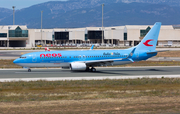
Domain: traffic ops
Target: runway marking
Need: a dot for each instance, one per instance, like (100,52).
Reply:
(99,68)
(36,72)
(88,78)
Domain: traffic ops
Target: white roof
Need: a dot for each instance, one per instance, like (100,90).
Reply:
(115,27)
(13,27)
(138,26)
(167,27)
(145,26)
(94,28)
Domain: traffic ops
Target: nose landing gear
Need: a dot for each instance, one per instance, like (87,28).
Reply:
(29,70)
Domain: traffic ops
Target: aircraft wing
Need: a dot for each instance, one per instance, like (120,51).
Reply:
(102,62)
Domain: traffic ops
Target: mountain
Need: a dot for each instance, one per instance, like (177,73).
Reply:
(31,16)
(120,14)
(168,2)
(84,13)
(4,12)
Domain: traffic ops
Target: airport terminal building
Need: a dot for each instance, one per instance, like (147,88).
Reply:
(129,35)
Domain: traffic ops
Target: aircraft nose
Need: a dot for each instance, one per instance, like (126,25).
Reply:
(15,61)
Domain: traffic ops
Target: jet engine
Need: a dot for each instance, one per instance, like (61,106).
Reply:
(77,66)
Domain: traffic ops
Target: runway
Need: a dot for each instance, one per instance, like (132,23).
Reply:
(102,73)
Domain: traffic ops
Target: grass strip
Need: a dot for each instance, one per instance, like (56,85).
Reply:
(91,96)
(84,89)
(169,54)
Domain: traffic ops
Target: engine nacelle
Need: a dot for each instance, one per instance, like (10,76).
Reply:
(77,66)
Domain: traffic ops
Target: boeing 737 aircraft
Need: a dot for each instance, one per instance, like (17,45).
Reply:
(88,59)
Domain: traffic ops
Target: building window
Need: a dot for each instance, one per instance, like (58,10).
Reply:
(86,37)
(61,35)
(144,32)
(18,32)
(95,34)
(3,35)
(125,36)
(53,37)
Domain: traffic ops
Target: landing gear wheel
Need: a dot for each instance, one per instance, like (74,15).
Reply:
(93,70)
(29,70)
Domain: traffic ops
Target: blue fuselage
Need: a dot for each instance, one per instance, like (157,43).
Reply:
(65,58)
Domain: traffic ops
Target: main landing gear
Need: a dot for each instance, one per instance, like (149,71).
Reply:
(91,70)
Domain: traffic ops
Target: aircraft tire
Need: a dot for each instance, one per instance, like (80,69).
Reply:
(93,70)
(29,70)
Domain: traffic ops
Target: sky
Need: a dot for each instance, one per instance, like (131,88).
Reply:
(21,3)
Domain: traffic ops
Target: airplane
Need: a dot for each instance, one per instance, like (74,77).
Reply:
(87,60)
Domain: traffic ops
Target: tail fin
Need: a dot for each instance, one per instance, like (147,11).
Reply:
(150,40)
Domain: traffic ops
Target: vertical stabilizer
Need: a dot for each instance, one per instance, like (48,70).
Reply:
(149,42)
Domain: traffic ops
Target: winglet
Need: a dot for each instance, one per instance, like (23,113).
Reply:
(131,60)
(92,47)
(131,54)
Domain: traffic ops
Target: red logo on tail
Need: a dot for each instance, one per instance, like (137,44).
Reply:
(146,43)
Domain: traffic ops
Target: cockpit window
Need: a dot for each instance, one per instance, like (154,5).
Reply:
(22,57)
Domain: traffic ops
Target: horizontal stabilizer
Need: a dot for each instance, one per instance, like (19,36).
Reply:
(157,51)
(131,60)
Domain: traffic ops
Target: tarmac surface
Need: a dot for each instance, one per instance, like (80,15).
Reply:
(13,54)
(101,73)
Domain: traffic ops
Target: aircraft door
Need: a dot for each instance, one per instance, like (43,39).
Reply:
(34,58)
